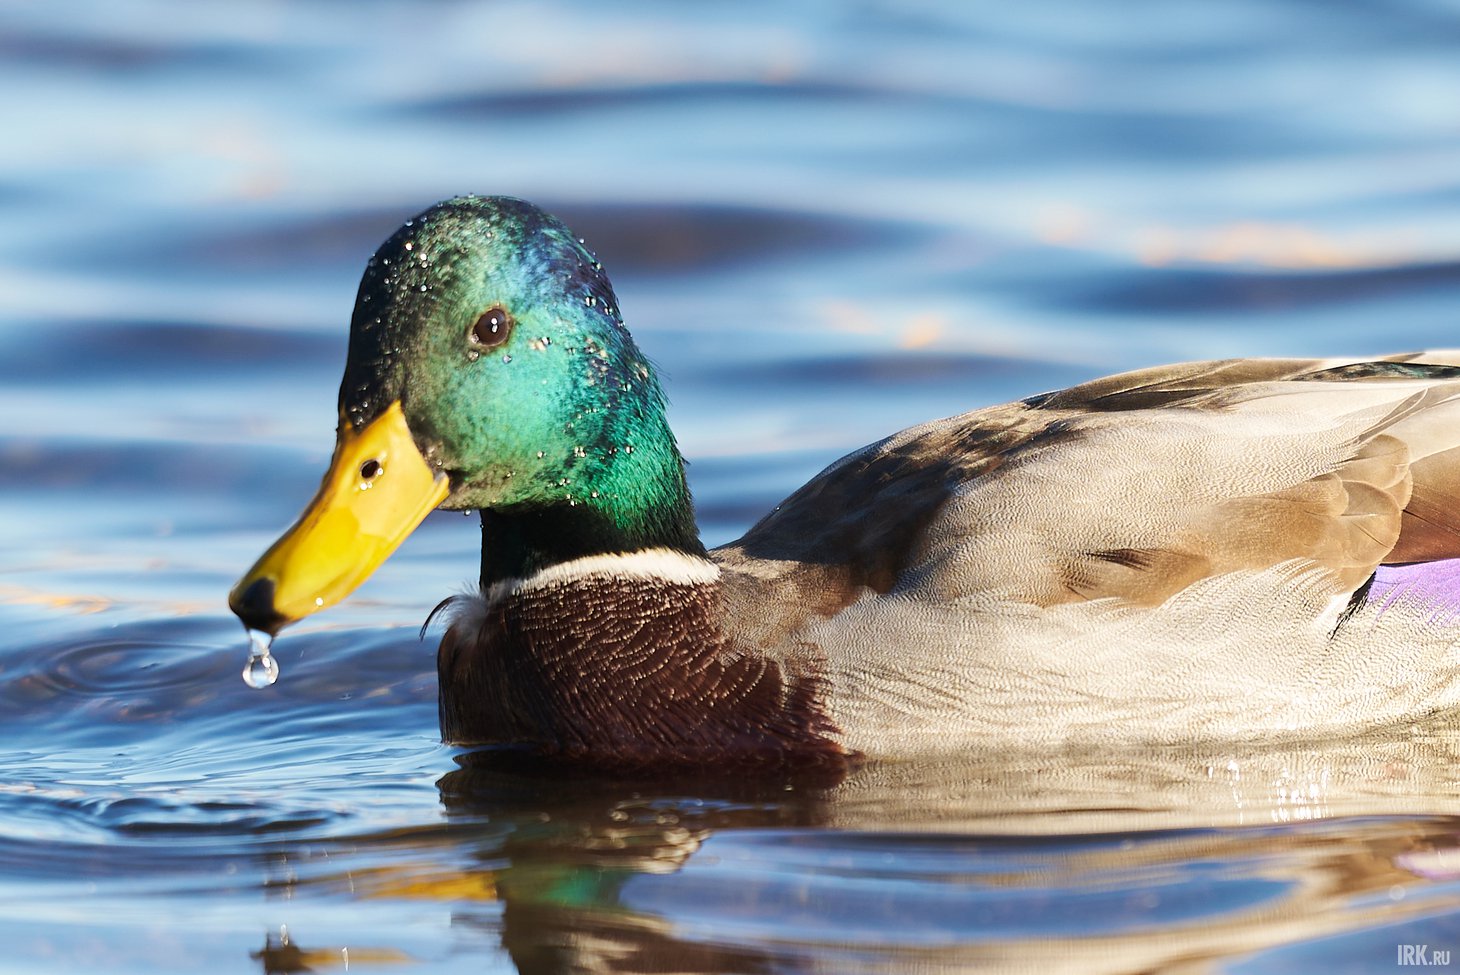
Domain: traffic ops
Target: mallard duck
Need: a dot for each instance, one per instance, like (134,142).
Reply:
(1176,553)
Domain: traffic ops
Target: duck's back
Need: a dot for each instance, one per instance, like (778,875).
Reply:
(1160,528)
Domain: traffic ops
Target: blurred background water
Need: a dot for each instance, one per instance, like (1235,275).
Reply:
(825,221)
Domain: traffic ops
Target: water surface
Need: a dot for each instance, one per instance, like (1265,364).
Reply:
(825,222)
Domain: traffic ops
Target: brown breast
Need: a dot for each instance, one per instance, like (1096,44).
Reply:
(624,671)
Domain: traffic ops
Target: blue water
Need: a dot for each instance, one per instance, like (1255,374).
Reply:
(825,221)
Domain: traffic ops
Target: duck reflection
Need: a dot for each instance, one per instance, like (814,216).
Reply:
(1084,863)
(282,956)
(577,843)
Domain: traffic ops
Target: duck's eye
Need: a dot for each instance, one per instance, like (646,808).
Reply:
(492,328)
(370,470)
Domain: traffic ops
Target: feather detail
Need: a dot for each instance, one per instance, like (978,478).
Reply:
(596,662)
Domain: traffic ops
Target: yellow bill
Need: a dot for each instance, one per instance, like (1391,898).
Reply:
(377,490)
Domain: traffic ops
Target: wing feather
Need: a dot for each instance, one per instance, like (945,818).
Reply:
(1134,487)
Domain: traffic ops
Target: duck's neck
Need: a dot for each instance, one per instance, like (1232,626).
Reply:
(519,543)
(631,498)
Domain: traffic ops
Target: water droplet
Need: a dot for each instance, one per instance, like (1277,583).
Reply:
(261,672)
(424,288)
(539,455)
(506,358)
(628,449)
(262,669)
(473,355)
(410,245)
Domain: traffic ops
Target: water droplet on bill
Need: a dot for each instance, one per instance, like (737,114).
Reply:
(262,669)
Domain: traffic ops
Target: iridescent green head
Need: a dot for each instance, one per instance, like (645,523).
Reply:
(486,341)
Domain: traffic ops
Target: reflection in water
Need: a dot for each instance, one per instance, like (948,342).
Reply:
(283,956)
(576,848)
(1084,863)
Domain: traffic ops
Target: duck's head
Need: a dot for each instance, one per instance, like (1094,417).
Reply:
(488,368)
